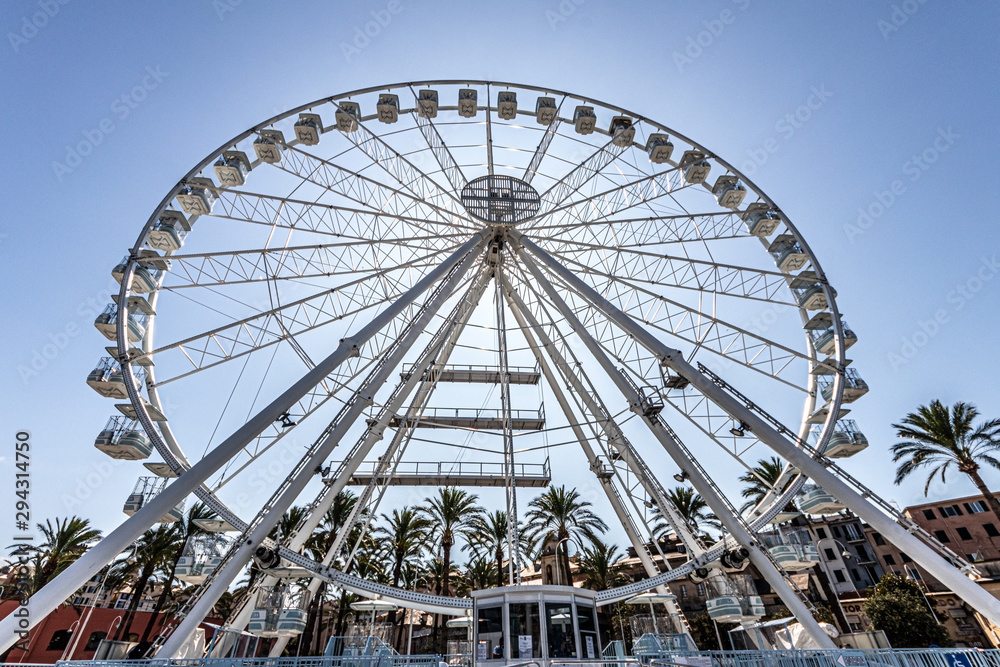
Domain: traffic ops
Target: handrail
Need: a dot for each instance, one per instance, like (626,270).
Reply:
(540,470)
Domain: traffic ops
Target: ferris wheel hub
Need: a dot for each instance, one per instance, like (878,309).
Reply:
(500,200)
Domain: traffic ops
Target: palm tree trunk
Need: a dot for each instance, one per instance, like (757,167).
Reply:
(164,595)
(446,591)
(565,559)
(137,593)
(499,558)
(991,500)
(308,633)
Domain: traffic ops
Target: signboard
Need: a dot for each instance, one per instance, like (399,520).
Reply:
(854,661)
(524,646)
(482,650)
(589,640)
(957,660)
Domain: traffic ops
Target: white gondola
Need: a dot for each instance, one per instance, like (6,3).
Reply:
(347,116)
(269,146)
(815,501)
(724,609)
(427,103)
(166,235)
(788,256)
(795,557)
(108,381)
(232,168)
(810,296)
(784,516)
(823,339)
(728,191)
(201,556)
(659,148)
(280,611)
(147,488)
(308,129)
(122,438)
(694,167)
(854,386)
(107,321)
(584,119)
(197,197)
(545,110)
(507,104)
(388,108)
(467,102)
(621,131)
(761,221)
(847,440)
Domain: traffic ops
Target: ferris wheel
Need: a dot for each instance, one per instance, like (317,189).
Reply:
(326,287)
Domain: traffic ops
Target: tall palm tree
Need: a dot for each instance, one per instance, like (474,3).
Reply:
(450,514)
(198,512)
(760,480)
(156,547)
(479,573)
(600,567)
(567,517)
(405,534)
(64,542)
(319,543)
(692,507)
(937,438)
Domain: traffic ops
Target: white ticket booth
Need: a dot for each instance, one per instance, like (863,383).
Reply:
(544,624)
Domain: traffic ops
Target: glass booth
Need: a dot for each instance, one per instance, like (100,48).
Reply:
(540,623)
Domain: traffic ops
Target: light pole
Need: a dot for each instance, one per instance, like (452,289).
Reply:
(409,641)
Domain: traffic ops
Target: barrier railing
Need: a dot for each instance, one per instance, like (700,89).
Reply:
(930,657)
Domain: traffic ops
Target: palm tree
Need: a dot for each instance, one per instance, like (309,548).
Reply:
(479,573)
(319,543)
(450,514)
(692,507)
(937,438)
(64,542)
(567,517)
(488,537)
(760,480)
(156,547)
(405,535)
(599,565)
(198,512)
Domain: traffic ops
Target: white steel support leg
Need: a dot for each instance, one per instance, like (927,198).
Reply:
(701,483)
(619,508)
(90,563)
(431,357)
(938,567)
(365,397)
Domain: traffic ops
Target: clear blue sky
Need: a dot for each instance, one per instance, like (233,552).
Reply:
(883,88)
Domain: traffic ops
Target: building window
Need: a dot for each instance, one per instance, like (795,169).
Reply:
(122,601)
(963,533)
(949,510)
(889,560)
(701,589)
(991,530)
(59,641)
(836,531)
(906,559)
(855,574)
(853,532)
(915,573)
(976,507)
(94,641)
(941,536)
(839,576)
(879,540)
(829,554)
(821,533)
(862,552)
(929,515)
(684,592)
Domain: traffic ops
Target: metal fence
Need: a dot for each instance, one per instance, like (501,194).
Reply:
(931,657)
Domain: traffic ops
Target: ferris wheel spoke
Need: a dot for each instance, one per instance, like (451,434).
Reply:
(543,144)
(654,229)
(233,340)
(375,195)
(292,263)
(318,217)
(564,188)
(403,171)
(665,271)
(449,167)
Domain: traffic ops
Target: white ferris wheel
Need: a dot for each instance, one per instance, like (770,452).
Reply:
(372,289)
